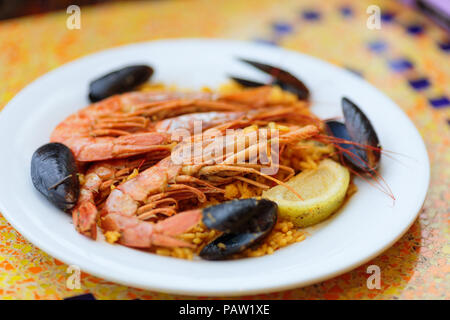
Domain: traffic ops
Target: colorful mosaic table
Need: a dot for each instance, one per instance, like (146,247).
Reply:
(408,59)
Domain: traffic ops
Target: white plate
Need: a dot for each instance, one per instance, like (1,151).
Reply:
(366,226)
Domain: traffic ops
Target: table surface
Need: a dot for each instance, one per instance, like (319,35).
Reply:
(408,59)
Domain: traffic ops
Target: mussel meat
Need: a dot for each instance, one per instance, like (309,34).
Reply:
(365,152)
(54,174)
(280,77)
(244,223)
(119,81)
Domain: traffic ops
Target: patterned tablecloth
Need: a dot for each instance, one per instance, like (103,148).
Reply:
(408,59)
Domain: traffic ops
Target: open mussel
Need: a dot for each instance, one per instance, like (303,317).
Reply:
(363,151)
(54,174)
(119,81)
(243,223)
(280,77)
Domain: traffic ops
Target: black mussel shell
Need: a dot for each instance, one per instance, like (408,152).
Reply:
(247,83)
(358,129)
(339,130)
(54,174)
(362,132)
(282,78)
(261,220)
(119,81)
(298,88)
(230,215)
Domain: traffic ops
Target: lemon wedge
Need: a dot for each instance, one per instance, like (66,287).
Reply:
(323,191)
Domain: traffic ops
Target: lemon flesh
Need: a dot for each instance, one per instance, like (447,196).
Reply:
(323,190)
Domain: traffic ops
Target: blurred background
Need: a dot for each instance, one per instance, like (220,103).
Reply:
(16,8)
(438,10)
(407,59)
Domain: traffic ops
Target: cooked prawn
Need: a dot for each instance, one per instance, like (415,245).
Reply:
(98,182)
(123,204)
(124,125)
